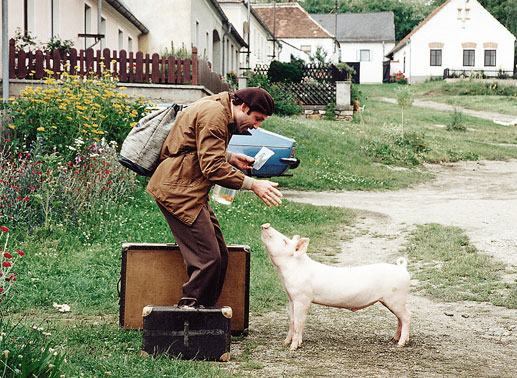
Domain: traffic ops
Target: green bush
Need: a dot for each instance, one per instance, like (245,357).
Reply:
(41,189)
(280,72)
(72,108)
(285,102)
(473,88)
(457,122)
(394,148)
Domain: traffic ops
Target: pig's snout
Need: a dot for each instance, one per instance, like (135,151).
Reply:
(265,226)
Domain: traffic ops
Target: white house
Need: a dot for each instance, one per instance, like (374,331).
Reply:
(364,38)
(69,19)
(299,33)
(458,35)
(190,23)
(262,48)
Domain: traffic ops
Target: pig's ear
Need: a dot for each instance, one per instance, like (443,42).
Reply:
(301,246)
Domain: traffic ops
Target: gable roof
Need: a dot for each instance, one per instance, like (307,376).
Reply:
(360,27)
(290,20)
(124,10)
(410,34)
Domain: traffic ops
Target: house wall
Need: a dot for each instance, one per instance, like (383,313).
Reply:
(453,32)
(261,48)
(167,24)
(70,21)
(184,24)
(287,48)
(370,71)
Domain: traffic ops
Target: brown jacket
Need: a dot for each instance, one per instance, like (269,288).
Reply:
(193,158)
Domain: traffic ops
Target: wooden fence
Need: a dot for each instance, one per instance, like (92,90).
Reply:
(126,67)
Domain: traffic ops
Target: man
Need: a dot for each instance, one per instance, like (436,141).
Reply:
(193,158)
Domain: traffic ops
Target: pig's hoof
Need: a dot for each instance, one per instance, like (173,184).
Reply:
(293,347)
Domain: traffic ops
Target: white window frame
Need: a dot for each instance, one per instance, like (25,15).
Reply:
(364,51)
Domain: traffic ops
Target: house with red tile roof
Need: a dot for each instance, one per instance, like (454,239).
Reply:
(459,35)
(299,34)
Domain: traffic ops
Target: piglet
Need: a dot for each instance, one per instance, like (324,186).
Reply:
(307,281)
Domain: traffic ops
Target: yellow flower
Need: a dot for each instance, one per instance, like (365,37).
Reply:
(54,127)
(12,126)
(41,128)
(96,139)
(132,124)
(69,118)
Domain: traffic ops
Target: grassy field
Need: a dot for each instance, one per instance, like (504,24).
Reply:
(80,267)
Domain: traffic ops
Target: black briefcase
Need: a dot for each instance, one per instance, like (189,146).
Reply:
(187,332)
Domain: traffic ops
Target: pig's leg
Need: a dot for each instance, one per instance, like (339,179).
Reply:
(399,309)
(300,310)
(289,337)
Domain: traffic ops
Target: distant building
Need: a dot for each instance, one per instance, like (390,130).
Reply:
(364,38)
(458,35)
(298,33)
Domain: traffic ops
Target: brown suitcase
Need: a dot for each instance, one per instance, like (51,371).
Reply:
(186,332)
(153,274)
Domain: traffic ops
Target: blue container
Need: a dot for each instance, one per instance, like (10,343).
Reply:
(283,148)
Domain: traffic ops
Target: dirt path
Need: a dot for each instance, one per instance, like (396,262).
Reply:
(445,107)
(463,339)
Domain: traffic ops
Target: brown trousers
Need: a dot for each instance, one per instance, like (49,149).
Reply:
(204,252)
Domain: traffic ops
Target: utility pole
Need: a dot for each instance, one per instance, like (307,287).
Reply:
(335,31)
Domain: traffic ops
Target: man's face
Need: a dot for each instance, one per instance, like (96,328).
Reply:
(245,121)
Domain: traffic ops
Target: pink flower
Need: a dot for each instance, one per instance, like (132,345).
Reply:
(4,229)
(6,264)
(20,252)
(7,255)
(1,289)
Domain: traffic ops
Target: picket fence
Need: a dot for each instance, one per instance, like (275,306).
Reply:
(126,67)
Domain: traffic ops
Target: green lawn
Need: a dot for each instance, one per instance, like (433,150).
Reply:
(81,266)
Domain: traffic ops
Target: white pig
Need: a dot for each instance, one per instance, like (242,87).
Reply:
(307,281)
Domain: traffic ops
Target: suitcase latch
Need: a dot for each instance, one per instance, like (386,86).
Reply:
(185,332)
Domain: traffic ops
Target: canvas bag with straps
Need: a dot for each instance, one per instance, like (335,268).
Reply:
(141,149)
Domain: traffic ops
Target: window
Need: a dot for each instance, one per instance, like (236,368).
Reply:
(54,14)
(197,35)
(129,44)
(103,31)
(28,17)
(468,57)
(120,39)
(87,24)
(364,55)
(306,48)
(490,58)
(436,57)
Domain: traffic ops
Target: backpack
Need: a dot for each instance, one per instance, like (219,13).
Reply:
(141,149)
